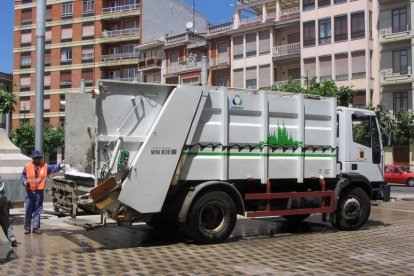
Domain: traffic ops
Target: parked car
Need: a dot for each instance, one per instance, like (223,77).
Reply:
(397,174)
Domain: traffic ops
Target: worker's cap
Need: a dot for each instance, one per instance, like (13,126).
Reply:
(37,154)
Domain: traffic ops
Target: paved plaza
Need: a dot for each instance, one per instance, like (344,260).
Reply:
(257,247)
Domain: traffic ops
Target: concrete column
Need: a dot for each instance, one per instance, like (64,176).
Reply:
(236,20)
(264,16)
(277,10)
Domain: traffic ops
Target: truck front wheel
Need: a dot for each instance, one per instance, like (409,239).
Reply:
(212,218)
(353,211)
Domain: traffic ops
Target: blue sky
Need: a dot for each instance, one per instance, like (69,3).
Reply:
(216,11)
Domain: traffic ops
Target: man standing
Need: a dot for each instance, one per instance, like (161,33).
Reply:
(4,216)
(34,177)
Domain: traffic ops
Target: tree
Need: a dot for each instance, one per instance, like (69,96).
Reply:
(404,127)
(23,137)
(7,102)
(344,95)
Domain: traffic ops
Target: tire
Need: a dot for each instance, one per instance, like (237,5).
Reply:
(162,225)
(296,218)
(212,218)
(354,208)
(410,182)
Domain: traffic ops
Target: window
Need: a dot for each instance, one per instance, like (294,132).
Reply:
(324,3)
(47,57)
(238,47)
(308,5)
(88,7)
(24,82)
(27,17)
(115,75)
(222,80)
(251,45)
(251,77)
(264,75)
(191,81)
(67,9)
(341,66)
(360,99)
(325,31)
(48,35)
(25,60)
(132,48)
(400,101)
(24,105)
(400,62)
(87,53)
(399,20)
(341,28)
(66,55)
(358,65)
(340,1)
(264,42)
(310,68)
(88,30)
(309,33)
(65,79)
(238,78)
(46,103)
(357,25)
(325,67)
(48,15)
(129,74)
(87,75)
(222,53)
(294,73)
(62,102)
(46,80)
(66,34)
(26,38)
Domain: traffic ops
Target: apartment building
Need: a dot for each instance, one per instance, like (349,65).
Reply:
(396,63)
(91,39)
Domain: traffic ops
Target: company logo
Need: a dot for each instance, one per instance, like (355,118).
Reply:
(237,103)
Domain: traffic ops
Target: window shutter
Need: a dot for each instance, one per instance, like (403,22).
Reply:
(66,33)
(251,44)
(310,68)
(238,46)
(341,64)
(27,16)
(25,81)
(88,30)
(223,55)
(46,104)
(325,64)
(48,35)
(264,75)
(238,78)
(26,38)
(47,80)
(358,62)
(264,42)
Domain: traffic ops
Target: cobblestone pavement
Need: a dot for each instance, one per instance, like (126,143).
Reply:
(257,247)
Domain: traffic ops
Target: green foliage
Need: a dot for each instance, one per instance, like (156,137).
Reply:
(7,102)
(24,137)
(344,94)
(404,127)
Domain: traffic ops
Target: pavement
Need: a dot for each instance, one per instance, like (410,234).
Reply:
(384,246)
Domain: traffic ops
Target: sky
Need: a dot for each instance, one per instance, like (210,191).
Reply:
(216,12)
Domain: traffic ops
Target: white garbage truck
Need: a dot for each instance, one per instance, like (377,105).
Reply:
(195,157)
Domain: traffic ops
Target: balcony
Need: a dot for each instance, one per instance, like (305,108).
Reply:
(220,63)
(220,28)
(245,22)
(149,63)
(388,76)
(394,35)
(182,67)
(87,57)
(190,39)
(119,56)
(123,32)
(286,51)
(119,9)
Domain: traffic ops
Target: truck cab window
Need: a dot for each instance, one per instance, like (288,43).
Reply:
(361,131)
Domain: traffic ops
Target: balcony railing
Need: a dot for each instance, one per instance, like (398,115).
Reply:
(184,38)
(392,34)
(88,56)
(123,32)
(289,13)
(251,20)
(220,28)
(359,75)
(149,62)
(117,9)
(389,76)
(182,67)
(342,77)
(285,50)
(119,56)
(219,61)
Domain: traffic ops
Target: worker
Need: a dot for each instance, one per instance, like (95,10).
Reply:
(34,177)
(4,216)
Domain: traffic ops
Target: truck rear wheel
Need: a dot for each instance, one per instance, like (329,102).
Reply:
(212,218)
(353,211)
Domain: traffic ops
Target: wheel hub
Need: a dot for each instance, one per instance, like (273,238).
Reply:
(351,209)
(213,217)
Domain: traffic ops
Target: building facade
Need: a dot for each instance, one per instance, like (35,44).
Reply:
(90,40)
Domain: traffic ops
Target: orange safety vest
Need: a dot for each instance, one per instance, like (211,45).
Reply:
(36,180)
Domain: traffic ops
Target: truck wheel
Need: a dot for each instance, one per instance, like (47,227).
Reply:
(296,218)
(353,211)
(410,182)
(212,218)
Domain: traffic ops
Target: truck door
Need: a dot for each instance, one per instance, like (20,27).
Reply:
(366,149)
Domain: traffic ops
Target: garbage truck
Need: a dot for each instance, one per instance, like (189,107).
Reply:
(196,157)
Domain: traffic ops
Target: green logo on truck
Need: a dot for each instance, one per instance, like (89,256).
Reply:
(283,138)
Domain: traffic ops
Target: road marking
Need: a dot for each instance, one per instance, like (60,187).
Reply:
(392,209)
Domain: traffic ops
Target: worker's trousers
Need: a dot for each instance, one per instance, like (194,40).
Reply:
(4,217)
(33,205)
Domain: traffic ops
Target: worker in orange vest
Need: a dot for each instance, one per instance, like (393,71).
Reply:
(34,178)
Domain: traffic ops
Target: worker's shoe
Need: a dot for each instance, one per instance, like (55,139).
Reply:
(27,231)
(37,231)
(14,243)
